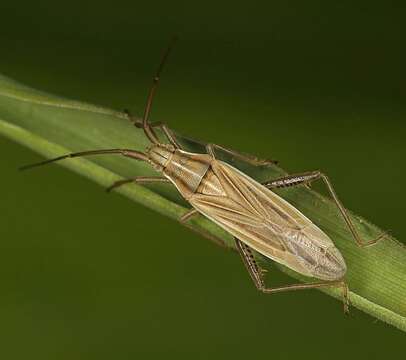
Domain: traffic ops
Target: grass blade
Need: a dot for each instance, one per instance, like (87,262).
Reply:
(52,126)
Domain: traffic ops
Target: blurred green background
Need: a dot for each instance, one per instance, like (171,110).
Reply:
(317,85)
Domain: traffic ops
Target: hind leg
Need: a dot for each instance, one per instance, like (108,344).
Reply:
(256,275)
(308,177)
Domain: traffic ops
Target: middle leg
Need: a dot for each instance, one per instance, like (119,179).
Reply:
(184,220)
(137,179)
(252,160)
(249,159)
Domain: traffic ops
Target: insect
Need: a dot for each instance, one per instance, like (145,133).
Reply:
(259,219)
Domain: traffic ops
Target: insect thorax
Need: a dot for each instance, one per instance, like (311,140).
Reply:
(187,170)
(159,155)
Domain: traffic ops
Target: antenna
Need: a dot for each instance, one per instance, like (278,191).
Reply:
(146,126)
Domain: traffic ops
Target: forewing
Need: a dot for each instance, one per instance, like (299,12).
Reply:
(235,218)
(254,214)
(259,200)
(246,209)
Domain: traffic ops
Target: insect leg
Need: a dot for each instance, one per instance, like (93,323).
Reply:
(256,275)
(293,180)
(193,213)
(125,152)
(169,134)
(307,177)
(163,127)
(210,150)
(137,179)
(252,160)
(188,215)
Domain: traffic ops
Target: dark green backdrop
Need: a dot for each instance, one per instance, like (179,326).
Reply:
(317,85)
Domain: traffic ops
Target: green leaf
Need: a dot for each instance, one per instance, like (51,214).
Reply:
(52,126)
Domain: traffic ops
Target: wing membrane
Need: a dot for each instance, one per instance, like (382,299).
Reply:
(261,219)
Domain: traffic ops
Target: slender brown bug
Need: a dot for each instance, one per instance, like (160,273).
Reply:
(257,217)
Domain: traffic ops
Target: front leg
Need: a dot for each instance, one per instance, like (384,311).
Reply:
(252,160)
(167,132)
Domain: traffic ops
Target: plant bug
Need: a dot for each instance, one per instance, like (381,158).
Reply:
(258,218)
